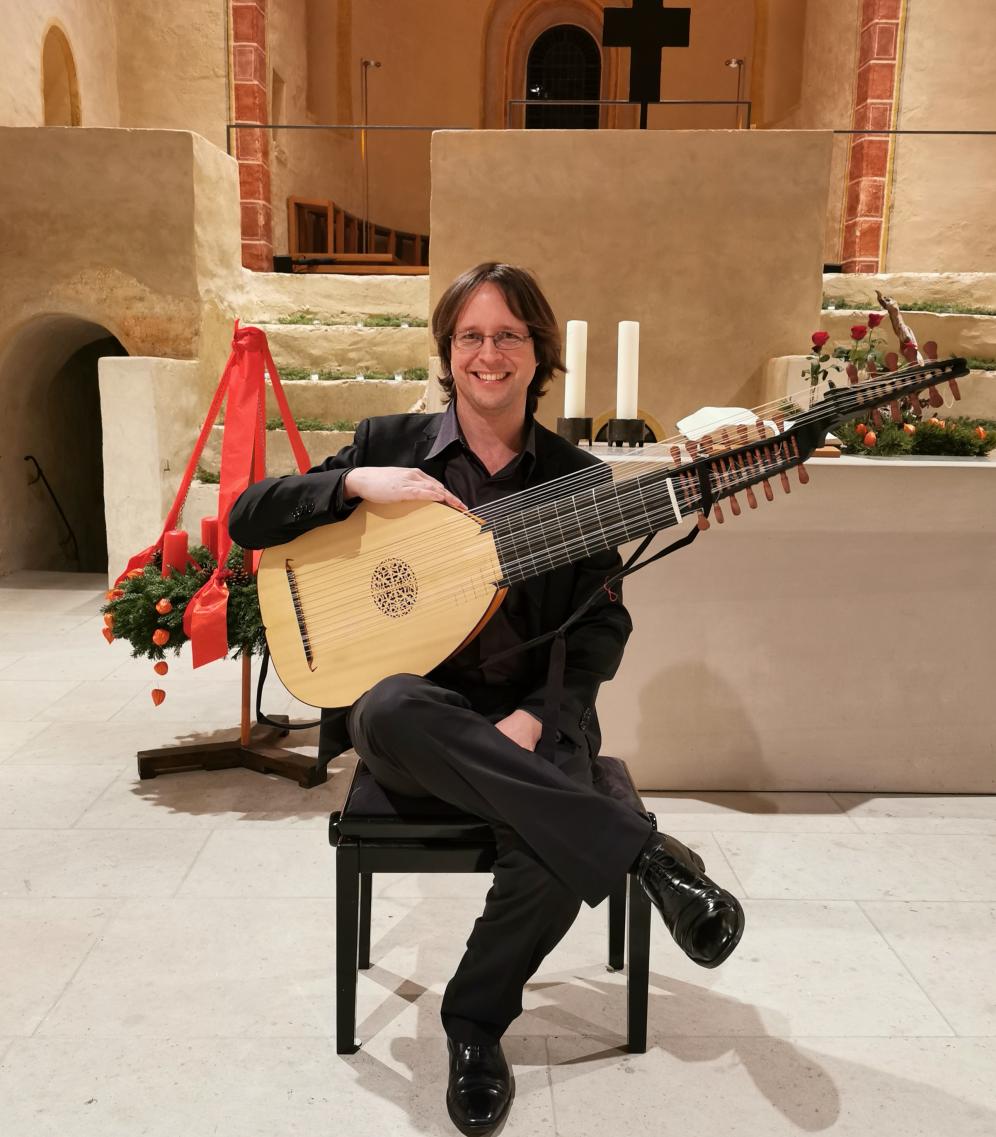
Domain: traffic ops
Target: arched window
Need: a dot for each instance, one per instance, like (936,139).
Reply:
(564,63)
(60,87)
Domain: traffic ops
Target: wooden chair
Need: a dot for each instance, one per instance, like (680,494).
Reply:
(379,831)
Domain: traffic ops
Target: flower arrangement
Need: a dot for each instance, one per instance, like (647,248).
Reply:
(147,608)
(881,434)
(865,347)
(953,437)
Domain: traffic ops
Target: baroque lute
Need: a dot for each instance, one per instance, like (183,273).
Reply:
(401,587)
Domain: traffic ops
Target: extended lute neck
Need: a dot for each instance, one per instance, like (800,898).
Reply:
(568,527)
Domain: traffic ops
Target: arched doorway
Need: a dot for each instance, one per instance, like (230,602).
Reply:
(563,63)
(60,86)
(51,447)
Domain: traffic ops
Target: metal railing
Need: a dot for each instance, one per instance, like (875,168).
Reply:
(39,475)
(743,122)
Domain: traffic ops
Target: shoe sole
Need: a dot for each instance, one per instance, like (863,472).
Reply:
(731,944)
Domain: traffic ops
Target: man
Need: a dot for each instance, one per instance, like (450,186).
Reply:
(467,733)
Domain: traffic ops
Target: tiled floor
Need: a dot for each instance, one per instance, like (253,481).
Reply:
(168,945)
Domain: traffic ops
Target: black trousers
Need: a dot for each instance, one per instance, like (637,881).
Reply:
(559,841)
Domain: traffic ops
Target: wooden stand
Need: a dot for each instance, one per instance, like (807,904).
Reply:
(254,750)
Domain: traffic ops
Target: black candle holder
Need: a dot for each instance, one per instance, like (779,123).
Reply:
(625,431)
(576,430)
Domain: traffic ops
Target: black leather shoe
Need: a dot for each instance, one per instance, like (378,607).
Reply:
(481,1087)
(705,920)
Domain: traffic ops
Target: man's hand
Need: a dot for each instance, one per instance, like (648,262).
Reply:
(521,727)
(396,483)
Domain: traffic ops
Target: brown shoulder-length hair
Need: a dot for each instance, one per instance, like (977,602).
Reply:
(525,298)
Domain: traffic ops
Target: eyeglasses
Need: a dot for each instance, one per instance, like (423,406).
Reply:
(474,341)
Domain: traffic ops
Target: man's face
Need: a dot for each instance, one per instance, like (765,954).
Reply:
(493,381)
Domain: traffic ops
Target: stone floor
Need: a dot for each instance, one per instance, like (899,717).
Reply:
(167,946)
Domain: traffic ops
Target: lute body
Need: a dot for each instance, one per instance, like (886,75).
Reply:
(391,588)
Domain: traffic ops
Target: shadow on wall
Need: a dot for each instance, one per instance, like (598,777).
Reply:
(50,410)
(683,748)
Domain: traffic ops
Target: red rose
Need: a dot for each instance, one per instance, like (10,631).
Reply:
(859,331)
(819,339)
(875,318)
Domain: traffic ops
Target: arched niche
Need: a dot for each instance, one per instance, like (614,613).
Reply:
(50,409)
(60,86)
(512,27)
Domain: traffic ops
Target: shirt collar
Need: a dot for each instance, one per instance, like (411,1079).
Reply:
(450,434)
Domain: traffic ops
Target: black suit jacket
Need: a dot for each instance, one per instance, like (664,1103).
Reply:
(275,510)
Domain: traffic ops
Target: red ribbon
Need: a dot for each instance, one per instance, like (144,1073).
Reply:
(243,459)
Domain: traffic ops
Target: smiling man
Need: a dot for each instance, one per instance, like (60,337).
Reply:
(467,732)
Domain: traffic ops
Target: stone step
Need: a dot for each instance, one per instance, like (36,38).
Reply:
(954,333)
(269,296)
(279,456)
(347,348)
(334,400)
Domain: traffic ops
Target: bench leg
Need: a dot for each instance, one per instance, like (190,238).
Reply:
(366,894)
(638,978)
(347,884)
(617,926)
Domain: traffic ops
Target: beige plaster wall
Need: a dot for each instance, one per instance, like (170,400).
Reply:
(804,78)
(647,225)
(942,212)
(148,407)
(128,242)
(785,650)
(141,243)
(171,66)
(91,28)
(303,49)
(434,58)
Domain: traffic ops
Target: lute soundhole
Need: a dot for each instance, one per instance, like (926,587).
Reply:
(394,587)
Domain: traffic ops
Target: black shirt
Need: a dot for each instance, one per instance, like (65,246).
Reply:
(466,476)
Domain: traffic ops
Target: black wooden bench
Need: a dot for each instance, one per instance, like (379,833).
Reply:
(380,831)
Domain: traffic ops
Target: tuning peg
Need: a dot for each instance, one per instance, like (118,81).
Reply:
(718,511)
(762,430)
(801,468)
(748,490)
(895,411)
(953,388)
(675,453)
(852,373)
(769,493)
(930,350)
(892,361)
(743,435)
(870,366)
(914,404)
(877,417)
(783,478)
(702,521)
(779,421)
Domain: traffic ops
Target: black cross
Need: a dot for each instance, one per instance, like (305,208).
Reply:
(645,29)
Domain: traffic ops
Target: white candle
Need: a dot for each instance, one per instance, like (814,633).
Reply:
(627,369)
(577,368)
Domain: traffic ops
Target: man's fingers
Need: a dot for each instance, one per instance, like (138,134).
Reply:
(438,492)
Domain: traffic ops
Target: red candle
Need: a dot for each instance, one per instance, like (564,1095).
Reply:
(174,551)
(209,535)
